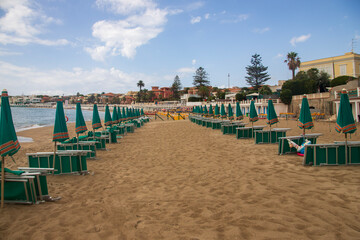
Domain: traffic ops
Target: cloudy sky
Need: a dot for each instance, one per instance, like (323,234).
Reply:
(67,46)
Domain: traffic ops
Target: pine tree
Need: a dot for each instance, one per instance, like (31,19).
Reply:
(176,87)
(256,72)
(201,78)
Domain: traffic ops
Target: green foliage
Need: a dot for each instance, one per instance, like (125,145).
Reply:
(201,78)
(340,80)
(140,84)
(194,99)
(115,100)
(176,87)
(91,99)
(204,91)
(286,96)
(256,72)
(293,62)
(221,95)
(186,90)
(265,90)
(240,96)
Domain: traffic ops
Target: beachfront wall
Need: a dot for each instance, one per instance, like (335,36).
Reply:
(261,106)
(319,101)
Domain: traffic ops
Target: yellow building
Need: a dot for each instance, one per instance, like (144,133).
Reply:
(347,64)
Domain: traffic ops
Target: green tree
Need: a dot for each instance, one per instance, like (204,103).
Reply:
(186,90)
(140,84)
(265,90)
(201,78)
(91,99)
(256,72)
(286,96)
(204,91)
(176,87)
(240,96)
(151,95)
(293,62)
(340,80)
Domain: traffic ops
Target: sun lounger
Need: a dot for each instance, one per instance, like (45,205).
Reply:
(284,147)
(130,127)
(270,136)
(66,162)
(230,128)
(27,186)
(331,154)
(246,132)
(82,145)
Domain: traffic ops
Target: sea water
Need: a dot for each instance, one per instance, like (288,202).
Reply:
(25,118)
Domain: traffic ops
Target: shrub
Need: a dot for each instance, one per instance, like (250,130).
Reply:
(340,80)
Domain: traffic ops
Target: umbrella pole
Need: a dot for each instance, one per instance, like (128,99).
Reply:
(252,131)
(78,145)
(2,180)
(54,157)
(346,153)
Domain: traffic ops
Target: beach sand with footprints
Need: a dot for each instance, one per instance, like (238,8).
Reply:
(178,180)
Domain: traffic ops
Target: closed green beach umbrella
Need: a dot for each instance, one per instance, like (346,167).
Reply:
(230,112)
(60,133)
(205,110)
(80,125)
(305,119)
(96,122)
(253,113)
(239,114)
(119,114)
(271,117)
(9,144)
(345,122)
(217,113)
(222,111)
(211,111)
(142,112)
(115,118)
(108,120)
(124,114)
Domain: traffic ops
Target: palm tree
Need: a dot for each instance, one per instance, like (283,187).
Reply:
(293,61)
(140,84)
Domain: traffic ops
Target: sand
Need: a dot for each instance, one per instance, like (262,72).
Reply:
(178,180)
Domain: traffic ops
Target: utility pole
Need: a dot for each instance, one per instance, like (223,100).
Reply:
(229,80)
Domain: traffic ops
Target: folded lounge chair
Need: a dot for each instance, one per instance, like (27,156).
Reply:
(331,154)
(27,186)
(81,145)
(247,132)
(270,136)
(66,162)
(230,128)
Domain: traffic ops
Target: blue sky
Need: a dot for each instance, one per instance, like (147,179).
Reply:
(67,46)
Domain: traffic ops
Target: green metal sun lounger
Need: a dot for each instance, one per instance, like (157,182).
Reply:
(27,186)
(267,136)
(247,132)
(284,147)
(230,128)
(82,145)
(332,154)
(66,162)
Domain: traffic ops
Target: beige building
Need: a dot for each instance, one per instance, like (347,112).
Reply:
(347,64)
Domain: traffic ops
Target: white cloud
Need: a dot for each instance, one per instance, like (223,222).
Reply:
(23,22)
(186,70)
(302,38)
(4,52)
(195,5)
(261,30)
(207,16)
(195,20)
(123,37)
(279,55)
(193,62)
(236,19)
(18,80)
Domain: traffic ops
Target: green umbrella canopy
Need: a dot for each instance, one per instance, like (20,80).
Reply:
(205,110)
(345,120)
(108,120)
(60,129)
(217,110)
(119,114)
(142,112)
(9,144)
(253,113)
(239,114)
(211,111)
(124,113)
(305,119)
(80,125)
(271,117)
(222,110)
(115,118)
(230,111)
(96,122)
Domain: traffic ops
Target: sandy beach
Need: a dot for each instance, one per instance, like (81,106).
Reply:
(178,180)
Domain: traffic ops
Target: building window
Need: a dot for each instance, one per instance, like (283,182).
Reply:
(343,69)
